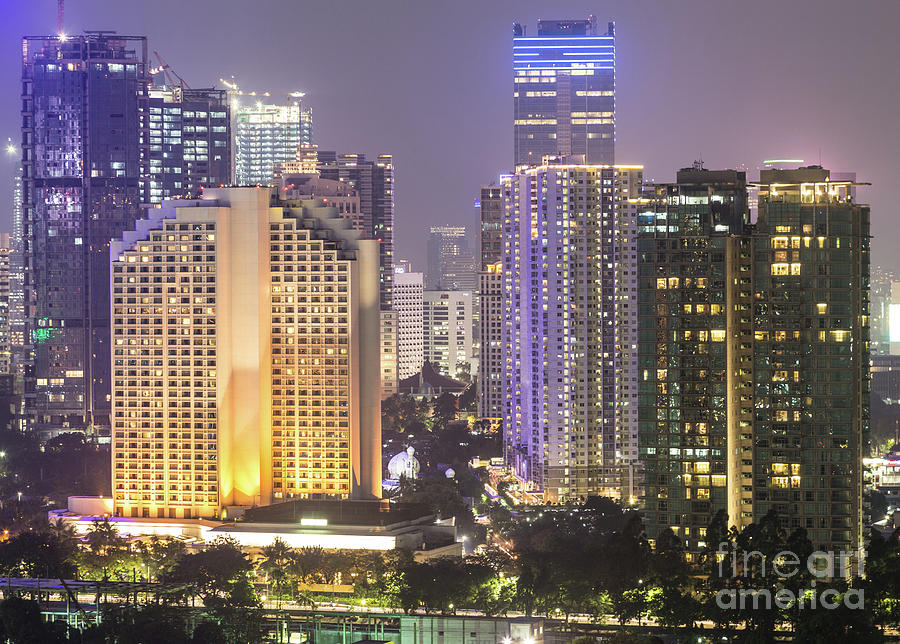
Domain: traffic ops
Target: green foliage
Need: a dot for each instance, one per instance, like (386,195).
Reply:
(107,555)
(39,554)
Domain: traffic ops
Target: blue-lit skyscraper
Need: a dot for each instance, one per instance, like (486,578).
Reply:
(85,163)
(564,92)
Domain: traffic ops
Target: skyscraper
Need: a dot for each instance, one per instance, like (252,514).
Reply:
(374,185)
(687,232)
(564,94)
(409,305)
(451,263)
(490,304)
(490,342)
(754,354)
(569,328)
(490,206)
(246,357)
(190,142)
(84,138)
(447,331)
(811,360)
(266,135)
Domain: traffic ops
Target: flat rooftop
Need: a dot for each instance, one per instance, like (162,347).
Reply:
(339,512)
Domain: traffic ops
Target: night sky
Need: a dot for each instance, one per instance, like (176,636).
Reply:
(430,82)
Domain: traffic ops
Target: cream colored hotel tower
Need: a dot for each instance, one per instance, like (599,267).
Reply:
(245,357)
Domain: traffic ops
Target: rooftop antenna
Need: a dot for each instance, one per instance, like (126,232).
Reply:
(698,164)
(60,16)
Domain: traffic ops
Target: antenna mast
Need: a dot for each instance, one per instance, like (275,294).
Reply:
(60,18)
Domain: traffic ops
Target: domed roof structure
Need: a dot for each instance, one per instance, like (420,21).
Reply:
(404,464)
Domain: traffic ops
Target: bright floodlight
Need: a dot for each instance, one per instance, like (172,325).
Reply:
(63,37)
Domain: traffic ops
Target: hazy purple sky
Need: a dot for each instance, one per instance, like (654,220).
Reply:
(430,83)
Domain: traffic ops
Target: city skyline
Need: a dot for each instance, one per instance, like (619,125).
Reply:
(728,122)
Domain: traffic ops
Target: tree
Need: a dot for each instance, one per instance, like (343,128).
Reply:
(159,556)
(220,576)
(276,565)
(674,605)
(444,409)
(107,555)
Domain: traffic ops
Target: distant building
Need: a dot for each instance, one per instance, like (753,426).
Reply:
(490,356)
(451,264)
(190,142)
(882,294)
(263,381)
(267,135)
(569,328)
(409,304)
(447,331)
(490,207)
(564,91)
(85,168)
(429,383)
(363,193)
(886,378)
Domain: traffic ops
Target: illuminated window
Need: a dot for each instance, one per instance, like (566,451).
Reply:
(717,335)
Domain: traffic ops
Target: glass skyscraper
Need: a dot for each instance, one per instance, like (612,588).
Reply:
(190,142)
(753,368)
(267,135)
(84,162)
(564,92)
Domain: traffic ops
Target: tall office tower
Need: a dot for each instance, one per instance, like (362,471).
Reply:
(564,94)
(800,445)
(491,216)
(409,305)
(489,321)
(569,297)
(447,331)
(17,285)
(266,135)
(374,184)
(84,157)
(688,231)
(6,255)
(451,264)
(490,347)
(246,357)
(190,142)
(758,399)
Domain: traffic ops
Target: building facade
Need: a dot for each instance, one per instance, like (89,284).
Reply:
(409,305)
(451,264)
(569,298)
(564,92)
(447,331)
(190,142)
(266,135)
(373,181)
(687,232)
(490,346)
(758,401)
(85,163)
(246,357)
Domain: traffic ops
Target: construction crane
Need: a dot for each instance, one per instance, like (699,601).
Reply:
(168,71)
